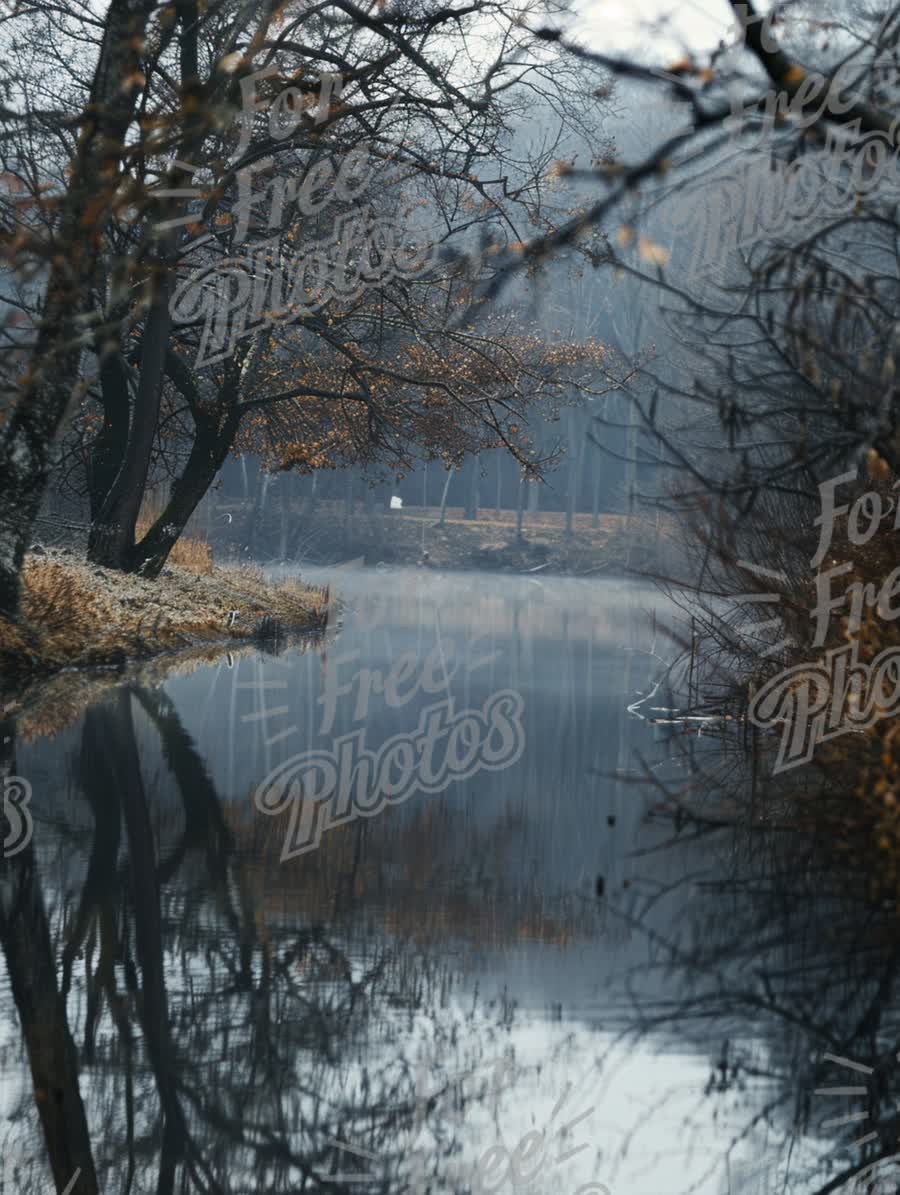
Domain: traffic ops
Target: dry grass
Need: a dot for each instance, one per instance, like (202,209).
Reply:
(78,615)
(190,552)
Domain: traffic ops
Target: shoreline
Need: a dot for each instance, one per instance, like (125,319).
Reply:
(327,536)
(78,619)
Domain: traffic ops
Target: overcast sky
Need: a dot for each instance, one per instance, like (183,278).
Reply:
(623,24)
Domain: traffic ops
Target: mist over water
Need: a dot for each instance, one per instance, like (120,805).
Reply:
(434,981)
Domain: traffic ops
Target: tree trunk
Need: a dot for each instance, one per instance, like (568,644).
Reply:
(595,508)
(111,541)
(534,498)
(450,473)
(283,481)
(107,451)
(520,511)
(471,508)
(31,966)
(631,478)
(207,455)
(576,461)
(29,433)
(123,764)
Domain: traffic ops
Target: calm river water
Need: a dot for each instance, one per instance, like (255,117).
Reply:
(394,912)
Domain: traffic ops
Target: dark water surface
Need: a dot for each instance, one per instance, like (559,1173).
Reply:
(499,975)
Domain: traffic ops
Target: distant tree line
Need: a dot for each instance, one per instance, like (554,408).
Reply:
(141,145)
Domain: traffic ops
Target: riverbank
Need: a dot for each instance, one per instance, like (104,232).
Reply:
(75,615)
(616,546)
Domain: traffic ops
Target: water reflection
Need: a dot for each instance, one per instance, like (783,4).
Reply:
(436,999)
(792,971)
(219,1047)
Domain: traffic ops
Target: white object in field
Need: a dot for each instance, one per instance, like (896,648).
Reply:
(396,503)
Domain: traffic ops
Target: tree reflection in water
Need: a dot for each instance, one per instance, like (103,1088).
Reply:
(788,963)
(212,1047)
(197,1017)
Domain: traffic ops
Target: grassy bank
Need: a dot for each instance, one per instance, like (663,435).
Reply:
(76,615)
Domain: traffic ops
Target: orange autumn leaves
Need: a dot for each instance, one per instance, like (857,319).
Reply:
(446,396)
